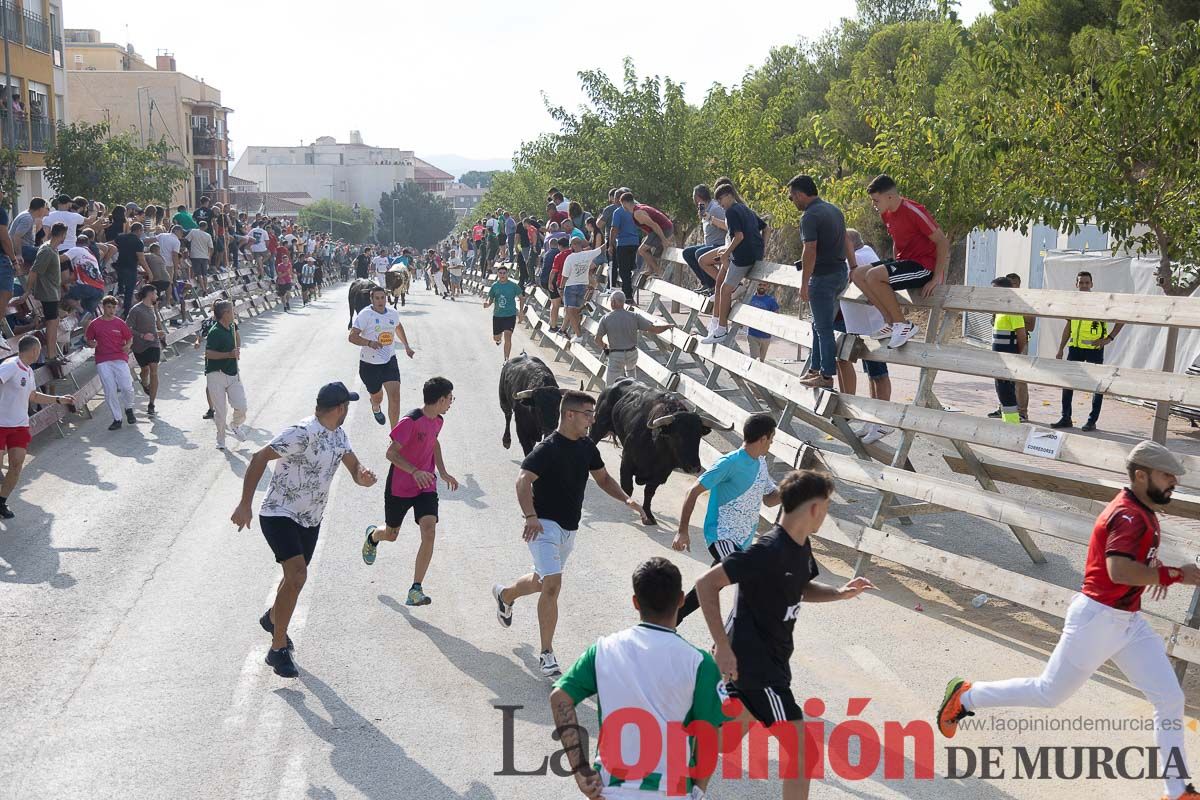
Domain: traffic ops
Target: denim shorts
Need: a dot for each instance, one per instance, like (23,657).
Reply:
(7,275)
(573,295)
(551,549)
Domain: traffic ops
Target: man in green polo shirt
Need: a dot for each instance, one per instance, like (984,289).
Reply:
(221,352)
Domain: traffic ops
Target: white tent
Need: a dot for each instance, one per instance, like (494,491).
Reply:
(1140,346)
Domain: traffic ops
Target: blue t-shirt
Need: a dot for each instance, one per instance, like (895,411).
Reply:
(510,225)
(627,229)
(739,217)
(736,485)
(767,303)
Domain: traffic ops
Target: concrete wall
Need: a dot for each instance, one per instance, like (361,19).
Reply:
(352,183)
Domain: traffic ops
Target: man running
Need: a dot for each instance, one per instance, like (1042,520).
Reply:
(1104,620)
(648,667)
(17,390)
(772,575)
(737,484)
(411,484)
(379,265)
(112,340)
(375,329)
(550,492)
(504,295)
(148,337)
(290,516)
(222,350)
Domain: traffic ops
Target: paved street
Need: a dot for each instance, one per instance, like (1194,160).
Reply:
(132,656)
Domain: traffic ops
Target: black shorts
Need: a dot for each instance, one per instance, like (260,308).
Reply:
(282,289)
(151,355)
(768,705)
(50,308)
(374,376)
(552,288)
(395,508)
(289,538)
(163,288)
(502,324)
(908,275)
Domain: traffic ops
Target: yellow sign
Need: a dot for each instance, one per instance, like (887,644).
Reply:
(385,338)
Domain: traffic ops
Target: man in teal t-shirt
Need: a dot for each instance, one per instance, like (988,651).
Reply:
(737,485)
(504,296)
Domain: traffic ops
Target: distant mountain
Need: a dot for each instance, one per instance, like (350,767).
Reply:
(457,165)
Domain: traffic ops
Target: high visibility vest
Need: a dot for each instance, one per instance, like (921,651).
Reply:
(1084,332)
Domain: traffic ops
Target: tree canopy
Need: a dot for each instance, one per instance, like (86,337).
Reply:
(346,223)
(85,160)
(414,217)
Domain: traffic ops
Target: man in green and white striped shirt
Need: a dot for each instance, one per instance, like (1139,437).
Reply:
(650,668)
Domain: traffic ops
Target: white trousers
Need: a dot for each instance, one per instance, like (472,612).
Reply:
(226,390)
(118,386)
(621,365)
(1092,634)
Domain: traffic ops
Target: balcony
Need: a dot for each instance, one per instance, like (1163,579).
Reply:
(204,143)
(10,19)
(41,133)
(37,32)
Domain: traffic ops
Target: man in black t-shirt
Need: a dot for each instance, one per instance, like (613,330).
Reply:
(362,264)
(772,577)
(130,256)
(550,490)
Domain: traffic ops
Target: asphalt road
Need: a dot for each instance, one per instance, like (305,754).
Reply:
(131,656)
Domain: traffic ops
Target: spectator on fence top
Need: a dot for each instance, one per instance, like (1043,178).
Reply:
(657,227)
(702,258)
(24,228)
(17,390)
(86,257)
(184,219)
(66,210)
(1087,339)
(617,336)
(45,284)
(921,254)
(864,320)
(747,243)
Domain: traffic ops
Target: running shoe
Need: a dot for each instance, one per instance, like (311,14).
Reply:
(717,336)
(578,339)
(883,333)
(369,547)
(503,609)
(269,627)
(952,708)
(239,432)
(549,664)
(116,425)
(6,512)
(417,597)
(221,446)
(379,417)
(876,433)
(995,414)
(901,333)
(210,414)
(130,417)
(281,662)
(150,412)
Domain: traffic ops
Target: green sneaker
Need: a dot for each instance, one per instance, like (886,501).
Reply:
(417,597)
(369,547)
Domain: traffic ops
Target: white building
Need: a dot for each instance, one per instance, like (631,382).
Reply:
(351,173)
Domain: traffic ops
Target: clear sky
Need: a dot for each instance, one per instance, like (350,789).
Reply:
(462,77)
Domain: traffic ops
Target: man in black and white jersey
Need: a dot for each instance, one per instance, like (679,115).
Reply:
(754,647)
(375,329)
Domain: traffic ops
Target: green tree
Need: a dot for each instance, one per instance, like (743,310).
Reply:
(420,219)
(85,160)
(10,160)
(345,222)
(480,179)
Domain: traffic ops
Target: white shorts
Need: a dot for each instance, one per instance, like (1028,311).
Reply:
(551,549)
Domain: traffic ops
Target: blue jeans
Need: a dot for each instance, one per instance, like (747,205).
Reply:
(88,296)
(692,256)
(823,294)
(7,275)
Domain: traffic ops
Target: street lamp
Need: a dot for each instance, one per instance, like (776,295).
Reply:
(331,186)
(394,201)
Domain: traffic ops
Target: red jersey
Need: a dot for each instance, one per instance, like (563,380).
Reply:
(557,216)
(910,226)
(1128,528)
(477,232)
(557,268)
(659,217)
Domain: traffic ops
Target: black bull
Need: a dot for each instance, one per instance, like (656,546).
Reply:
(528,391)
(658,431)
(360,297)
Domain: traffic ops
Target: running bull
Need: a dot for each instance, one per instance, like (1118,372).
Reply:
(360,297)
(530,392)
(659,432)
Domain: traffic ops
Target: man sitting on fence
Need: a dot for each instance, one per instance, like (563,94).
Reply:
(747,243)
(617,337)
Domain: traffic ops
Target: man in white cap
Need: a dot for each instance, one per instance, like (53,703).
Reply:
(1103,621)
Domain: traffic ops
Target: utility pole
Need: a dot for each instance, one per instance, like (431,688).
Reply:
(5,5)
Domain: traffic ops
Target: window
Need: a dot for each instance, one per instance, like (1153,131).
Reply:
(199,123)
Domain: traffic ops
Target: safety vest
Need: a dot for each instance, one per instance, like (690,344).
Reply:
(1084,332)
(1004,330)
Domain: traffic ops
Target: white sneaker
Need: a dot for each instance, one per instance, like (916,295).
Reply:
(239,432)
(901,333)
(220,445)
(549,664)
(503,609)
(579,339)
(873,435)
(717,335)
(883,333)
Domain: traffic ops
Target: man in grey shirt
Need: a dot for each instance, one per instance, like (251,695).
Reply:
(148,338)
(24,228)
(617,336)
(200,248)
(698,258)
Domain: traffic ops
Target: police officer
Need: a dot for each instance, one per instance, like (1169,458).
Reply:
(1087,338)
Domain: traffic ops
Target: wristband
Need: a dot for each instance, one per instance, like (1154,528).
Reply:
(1169,575)
(530,516)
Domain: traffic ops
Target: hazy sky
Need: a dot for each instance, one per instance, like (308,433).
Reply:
(461,77)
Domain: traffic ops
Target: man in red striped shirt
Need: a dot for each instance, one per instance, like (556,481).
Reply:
(922,252)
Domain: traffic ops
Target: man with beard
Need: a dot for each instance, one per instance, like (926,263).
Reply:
(1104,621)
(307,456)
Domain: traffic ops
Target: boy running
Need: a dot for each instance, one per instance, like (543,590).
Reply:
(504,294)
(737,484)
(413,454)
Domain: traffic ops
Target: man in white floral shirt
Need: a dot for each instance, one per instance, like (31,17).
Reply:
(308,454)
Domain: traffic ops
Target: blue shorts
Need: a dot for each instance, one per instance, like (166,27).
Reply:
(7,275)
(573,295)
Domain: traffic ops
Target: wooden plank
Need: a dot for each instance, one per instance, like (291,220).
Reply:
(785,446)
(790,328)
(46,418)
(87,391)
(678,294)
(1108,379)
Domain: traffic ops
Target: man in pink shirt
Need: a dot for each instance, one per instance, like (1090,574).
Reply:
(411,484)
(113,340)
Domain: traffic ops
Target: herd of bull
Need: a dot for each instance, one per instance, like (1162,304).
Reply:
(658,431)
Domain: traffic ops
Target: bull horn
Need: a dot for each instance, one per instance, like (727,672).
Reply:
(524,394)
(715,423)
(659,422)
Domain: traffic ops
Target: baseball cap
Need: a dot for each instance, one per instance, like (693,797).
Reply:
(133,208)
(334,394)
(1153,455)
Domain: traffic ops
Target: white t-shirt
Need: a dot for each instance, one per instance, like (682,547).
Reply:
(564,206)
(69,218)
(201,244)
(168,246)
(259,240)
(576,266)
(380,263)
(376,326)
(16,384)
(859,317)
(309,457)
